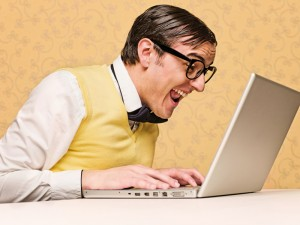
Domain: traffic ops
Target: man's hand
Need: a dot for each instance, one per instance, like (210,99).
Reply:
(185,176)
(138,176)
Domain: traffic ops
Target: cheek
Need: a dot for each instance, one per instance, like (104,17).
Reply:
(167,76)
(174,74)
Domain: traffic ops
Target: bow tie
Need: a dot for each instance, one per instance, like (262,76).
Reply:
(144,114)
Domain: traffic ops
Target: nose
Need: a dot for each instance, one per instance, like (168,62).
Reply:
(198,84)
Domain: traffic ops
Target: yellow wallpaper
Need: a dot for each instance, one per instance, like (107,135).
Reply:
(38,37)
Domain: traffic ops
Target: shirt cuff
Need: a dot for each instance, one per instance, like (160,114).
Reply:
(66,185)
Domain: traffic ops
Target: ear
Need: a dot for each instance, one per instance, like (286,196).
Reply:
(145,48)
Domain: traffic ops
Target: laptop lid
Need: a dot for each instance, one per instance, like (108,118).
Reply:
(248,150)
(253,139)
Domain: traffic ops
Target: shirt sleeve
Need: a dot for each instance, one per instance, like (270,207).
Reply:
(35,141)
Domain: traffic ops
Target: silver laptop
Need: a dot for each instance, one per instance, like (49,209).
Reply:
(247,151)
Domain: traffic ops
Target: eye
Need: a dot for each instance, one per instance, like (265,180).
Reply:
(192,68)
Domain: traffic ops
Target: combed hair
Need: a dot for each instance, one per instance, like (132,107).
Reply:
(166,24)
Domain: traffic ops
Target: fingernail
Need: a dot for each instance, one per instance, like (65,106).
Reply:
(194,183)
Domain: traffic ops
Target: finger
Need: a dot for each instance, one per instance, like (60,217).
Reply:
(199,178)
(148,182)
(143,184)
(184,176)
(160,178)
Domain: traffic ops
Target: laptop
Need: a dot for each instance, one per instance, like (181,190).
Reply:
(248,150)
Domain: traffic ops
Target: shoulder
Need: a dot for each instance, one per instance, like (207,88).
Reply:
(59,90)
(59,82)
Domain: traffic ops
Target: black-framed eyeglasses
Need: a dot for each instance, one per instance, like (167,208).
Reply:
(195,67)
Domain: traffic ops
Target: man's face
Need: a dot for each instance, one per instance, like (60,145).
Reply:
(166,84)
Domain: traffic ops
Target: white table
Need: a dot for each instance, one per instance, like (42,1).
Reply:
(272,207)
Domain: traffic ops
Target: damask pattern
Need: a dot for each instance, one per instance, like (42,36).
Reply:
(39,37)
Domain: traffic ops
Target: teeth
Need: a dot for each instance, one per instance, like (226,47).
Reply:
(183,94)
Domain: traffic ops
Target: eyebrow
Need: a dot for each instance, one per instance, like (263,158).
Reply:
(198,57)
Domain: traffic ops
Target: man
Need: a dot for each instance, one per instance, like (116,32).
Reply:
(95,127)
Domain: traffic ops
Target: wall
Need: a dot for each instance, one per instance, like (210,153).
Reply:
(38,37)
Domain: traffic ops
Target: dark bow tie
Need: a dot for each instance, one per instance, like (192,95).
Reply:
(144,114)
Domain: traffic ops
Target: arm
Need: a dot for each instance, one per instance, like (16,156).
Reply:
(37,139)
(138,176)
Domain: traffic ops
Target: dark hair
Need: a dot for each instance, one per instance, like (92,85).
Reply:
(165,24)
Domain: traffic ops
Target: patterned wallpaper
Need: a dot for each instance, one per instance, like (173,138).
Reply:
(38,37)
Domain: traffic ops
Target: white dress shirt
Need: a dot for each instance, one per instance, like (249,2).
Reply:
(41,134)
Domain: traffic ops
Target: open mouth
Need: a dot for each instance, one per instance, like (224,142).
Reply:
(177,95)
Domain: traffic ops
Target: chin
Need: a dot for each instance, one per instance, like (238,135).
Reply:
(163,112)
(164,115)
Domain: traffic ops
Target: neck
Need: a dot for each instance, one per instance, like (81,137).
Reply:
(136,73)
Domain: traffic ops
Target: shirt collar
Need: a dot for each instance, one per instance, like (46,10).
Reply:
(131,97)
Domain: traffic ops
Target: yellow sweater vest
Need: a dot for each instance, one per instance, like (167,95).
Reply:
(104,138)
